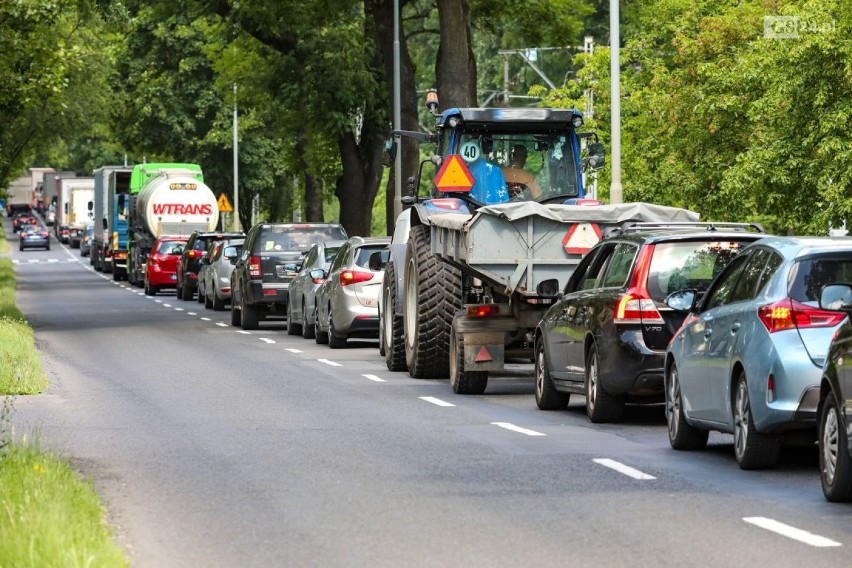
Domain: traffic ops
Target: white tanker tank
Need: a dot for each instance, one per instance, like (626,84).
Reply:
(176,203)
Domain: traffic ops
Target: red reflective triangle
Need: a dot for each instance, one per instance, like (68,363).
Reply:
(483,355)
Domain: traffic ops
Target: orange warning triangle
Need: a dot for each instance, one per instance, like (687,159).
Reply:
(454,175)
(483,355)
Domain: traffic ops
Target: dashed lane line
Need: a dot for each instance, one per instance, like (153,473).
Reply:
(374,378)
(436,401)
(625,469)
(220,324)
(294,350)
(327,362)
(513,428)
(244,332)
(266,340)
(791,532)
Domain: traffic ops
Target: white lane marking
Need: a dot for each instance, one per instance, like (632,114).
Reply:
(244,332)
(513,428)
(205,319)
(436,401)
(621,468)
(791,532)
(159,301)
(191,314)
(140,293)
(266,340)
(178,309)
(53,260)
(167,305)
(327,362)
(293,350)
(374,378)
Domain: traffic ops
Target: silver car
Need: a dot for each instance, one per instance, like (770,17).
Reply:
(347,303)
(303,288)
(749,356)
(214,276)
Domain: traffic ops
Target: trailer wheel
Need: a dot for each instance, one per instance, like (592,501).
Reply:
(432,297)
(464,382)
(392,337)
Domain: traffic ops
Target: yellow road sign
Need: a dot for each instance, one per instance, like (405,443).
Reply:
(224,204)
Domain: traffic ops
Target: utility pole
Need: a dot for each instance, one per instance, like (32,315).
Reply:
(236,221)
(397,115)
(615,188)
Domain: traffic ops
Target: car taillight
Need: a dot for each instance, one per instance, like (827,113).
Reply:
(636,305)
(348,277)
(254,268)
(193,254)
(317,280)
(788,313)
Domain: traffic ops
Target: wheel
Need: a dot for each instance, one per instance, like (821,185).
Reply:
(835,465)
(236,315)
(392,325)
(464,382)
(293,328)
(320,336)
(600,405)
(249,316)
(20,247)
(335,339)
(309,330)
(208,301)
(201,298)
(116,275)
(150,290)
(218,303)
(752,449)
(546,395)
(432,297)
(682,435)
(381,335)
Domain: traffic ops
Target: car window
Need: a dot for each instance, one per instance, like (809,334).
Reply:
(618,270)
(579,273)
(752,276)
(809,275)
(362,255)
(721,288)
(339,258)
(330,253)
(592,278)
(297,237)
(312,256)
(200,244)
(169,247)
(688,265)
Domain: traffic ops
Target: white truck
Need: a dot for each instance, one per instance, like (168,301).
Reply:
(81,206)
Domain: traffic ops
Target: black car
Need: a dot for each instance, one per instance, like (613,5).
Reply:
(606,336)
(835,436)
(189,262)
(270,259)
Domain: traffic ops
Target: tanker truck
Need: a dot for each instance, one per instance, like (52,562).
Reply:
(164,199)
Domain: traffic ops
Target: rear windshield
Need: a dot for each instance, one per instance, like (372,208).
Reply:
(362,257)
(169,247)
(809,275)
(688,265)
(297,238)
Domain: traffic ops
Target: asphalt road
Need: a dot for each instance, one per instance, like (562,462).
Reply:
(216,447)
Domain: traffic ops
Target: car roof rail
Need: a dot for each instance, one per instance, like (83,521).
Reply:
(637,226)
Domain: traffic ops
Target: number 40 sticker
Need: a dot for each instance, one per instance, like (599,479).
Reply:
(470,151)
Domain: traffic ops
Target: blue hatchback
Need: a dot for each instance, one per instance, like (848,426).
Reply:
(749,356)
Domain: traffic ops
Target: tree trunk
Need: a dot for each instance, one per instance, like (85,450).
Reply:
(356,188)
(313,193)
(456,68)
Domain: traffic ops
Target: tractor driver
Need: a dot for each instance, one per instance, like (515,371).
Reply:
(521,183)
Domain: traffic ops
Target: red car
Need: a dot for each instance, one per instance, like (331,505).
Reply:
(161,267)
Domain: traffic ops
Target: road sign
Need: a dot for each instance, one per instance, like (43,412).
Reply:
(224,204)
(581,237)
(454,175)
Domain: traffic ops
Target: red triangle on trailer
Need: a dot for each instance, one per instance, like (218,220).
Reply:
(483,355)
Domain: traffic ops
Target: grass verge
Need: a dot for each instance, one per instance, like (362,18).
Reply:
(48,515)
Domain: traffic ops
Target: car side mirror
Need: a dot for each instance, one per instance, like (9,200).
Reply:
(596,158)
(379,259)
(549,287)
(837,297)
(682,300)
(319,274)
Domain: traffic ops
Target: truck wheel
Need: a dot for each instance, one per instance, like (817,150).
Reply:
(546,395)
(116,275)
(464,382)
(392,325)
(432,297)
(249,316)
(293,328)
(236,316)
